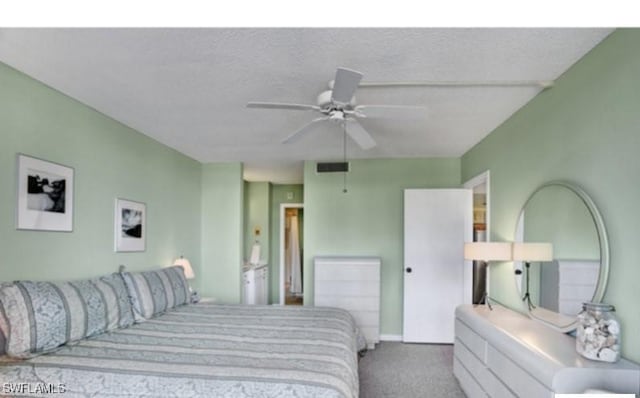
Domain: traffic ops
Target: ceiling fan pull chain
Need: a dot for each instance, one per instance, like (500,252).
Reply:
(344,155)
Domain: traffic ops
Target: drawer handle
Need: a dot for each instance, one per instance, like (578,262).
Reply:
(408,269)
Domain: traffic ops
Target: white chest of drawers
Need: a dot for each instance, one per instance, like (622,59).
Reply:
(353,284)
(502,353)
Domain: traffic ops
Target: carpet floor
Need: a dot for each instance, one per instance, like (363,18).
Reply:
(401,370)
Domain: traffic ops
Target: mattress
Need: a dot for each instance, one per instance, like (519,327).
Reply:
(204,350)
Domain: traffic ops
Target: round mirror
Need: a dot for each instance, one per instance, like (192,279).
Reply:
(553,291)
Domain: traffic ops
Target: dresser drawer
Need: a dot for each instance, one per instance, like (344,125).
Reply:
(470,361)
(476,344)
(349,303)
(581,273)
(347,288)
(366,318)
(487,380)
(343,271)
(469,385)
(514,377)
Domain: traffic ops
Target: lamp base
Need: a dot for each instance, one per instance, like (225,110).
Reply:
(527,298)
(195,297)
(486,299)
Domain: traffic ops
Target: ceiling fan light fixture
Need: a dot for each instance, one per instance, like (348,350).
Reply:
(337,116)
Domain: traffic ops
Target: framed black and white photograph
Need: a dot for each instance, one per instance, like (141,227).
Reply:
(45,195)
(130,226)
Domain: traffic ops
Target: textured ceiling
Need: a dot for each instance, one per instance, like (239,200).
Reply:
(187,88)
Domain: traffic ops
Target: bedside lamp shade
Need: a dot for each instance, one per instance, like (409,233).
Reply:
(487,251)
(255,254)
(532,252)
(186,265)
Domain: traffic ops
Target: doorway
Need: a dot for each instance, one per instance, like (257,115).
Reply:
(291,253)
(480,187)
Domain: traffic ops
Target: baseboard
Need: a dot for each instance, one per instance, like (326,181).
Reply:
(390,337)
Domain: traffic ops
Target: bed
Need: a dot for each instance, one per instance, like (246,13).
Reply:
(203,350)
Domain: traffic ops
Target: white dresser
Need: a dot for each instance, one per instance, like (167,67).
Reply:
(353,284)
(255,285)
(502,353)
(567,284)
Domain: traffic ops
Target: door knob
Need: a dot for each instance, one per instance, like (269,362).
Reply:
(408,269)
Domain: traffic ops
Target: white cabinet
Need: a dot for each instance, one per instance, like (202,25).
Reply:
(502,353)
(353,284)
(255,282)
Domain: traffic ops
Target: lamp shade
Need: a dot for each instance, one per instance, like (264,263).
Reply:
(186,265)
(487,251)
(255,254)
(532,251)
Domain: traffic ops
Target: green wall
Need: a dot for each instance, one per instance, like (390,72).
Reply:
(193,210)
(279,195)
(368,220)
(110,160)
(257,196)
(222,231)
(584,130)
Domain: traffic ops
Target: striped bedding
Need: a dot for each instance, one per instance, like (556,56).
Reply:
(205,350)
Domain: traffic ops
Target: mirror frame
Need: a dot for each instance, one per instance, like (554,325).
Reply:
(603,240)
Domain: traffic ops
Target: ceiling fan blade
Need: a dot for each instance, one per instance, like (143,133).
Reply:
(305,129)
(345,85)
(359,134)
(544,84)
(391,111)
(279,105)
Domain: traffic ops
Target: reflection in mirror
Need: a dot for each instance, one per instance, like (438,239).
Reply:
(564,216)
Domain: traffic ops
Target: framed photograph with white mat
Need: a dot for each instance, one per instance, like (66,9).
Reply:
(45,195)
(130,226)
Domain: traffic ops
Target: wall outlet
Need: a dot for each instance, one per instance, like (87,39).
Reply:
(289,195)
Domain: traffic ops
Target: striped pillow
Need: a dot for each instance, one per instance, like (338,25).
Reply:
(2,352)
(40,316)
(154,292)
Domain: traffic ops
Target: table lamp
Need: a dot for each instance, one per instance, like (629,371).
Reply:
(487,251)
(527,253)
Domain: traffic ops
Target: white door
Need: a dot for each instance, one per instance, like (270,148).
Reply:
(437,279)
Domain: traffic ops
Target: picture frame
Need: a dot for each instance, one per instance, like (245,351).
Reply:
(130,228)
(44,195)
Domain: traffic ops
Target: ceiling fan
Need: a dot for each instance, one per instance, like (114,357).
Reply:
(338,105)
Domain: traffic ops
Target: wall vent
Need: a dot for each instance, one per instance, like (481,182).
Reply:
(332,167)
